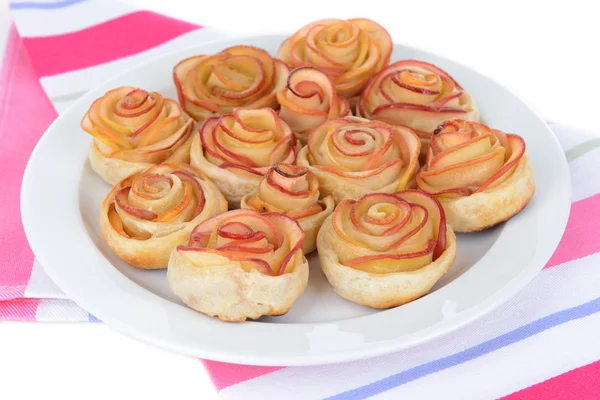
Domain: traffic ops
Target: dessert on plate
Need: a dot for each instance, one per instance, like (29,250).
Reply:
(308,100)
(133,130)
(349,51)
(353,156)
(384,250)
(481,176)
(239,76)
(416,94)
(294,191)
(241,264)
(146,215)
(384,225)
(236,150)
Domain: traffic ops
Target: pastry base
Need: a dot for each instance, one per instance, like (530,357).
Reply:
(114,170)
(485,209)
(311,225)
(232,294)
(154,253)
(380,290)
(233,186)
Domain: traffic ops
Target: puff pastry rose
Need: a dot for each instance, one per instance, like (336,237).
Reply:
(241,264)
(349,51)
(481,176)
(308,100)
(236,150)
(239,76)
(133,130)
(146,215)
(416,94)
(385,250)
(293,191)
(352,157)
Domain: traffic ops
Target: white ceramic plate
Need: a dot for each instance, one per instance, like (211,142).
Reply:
(61,198)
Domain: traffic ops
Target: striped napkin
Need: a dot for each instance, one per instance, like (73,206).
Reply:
(544,343)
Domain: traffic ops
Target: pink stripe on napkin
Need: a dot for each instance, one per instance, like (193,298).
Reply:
(18,310)
(108,41)
(582,234)
(25,113)
(225,374)
(579,384)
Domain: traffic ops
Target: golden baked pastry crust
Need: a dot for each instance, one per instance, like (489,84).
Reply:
(481,176)
(232,294)
(133,130)
(143,231)
(241,264)
(385,250)
(236,150)
(485,209)
(381,290)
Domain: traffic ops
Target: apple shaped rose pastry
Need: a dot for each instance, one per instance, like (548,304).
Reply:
(481,176)
(241,264)
(146,215)
(133,130)
(240,76)
(308,100)
(352,157)
(415,94)
(385,250)
(350,51)
(293,191)
(236,150)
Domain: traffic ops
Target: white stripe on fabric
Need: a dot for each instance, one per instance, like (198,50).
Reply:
(60,310)
(70,84)
(584,175)
(511,368)
(571,284)
(569,137)
(40,286)
(33,22)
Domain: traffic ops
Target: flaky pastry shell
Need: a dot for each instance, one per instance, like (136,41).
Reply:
(381,290)
(232,294)
(236,150)
(241,264)
(134,129)
(146,215)
(492,206)
(481,176)
(384,250)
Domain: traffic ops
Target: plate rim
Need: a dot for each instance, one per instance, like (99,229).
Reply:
(463,318)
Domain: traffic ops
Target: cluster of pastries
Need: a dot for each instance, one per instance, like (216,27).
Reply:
(328,146)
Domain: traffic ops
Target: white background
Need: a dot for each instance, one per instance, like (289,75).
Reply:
(545,51)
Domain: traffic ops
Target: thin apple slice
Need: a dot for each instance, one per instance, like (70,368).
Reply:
(122,202)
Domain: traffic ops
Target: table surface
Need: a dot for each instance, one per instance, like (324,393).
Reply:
(544,54)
